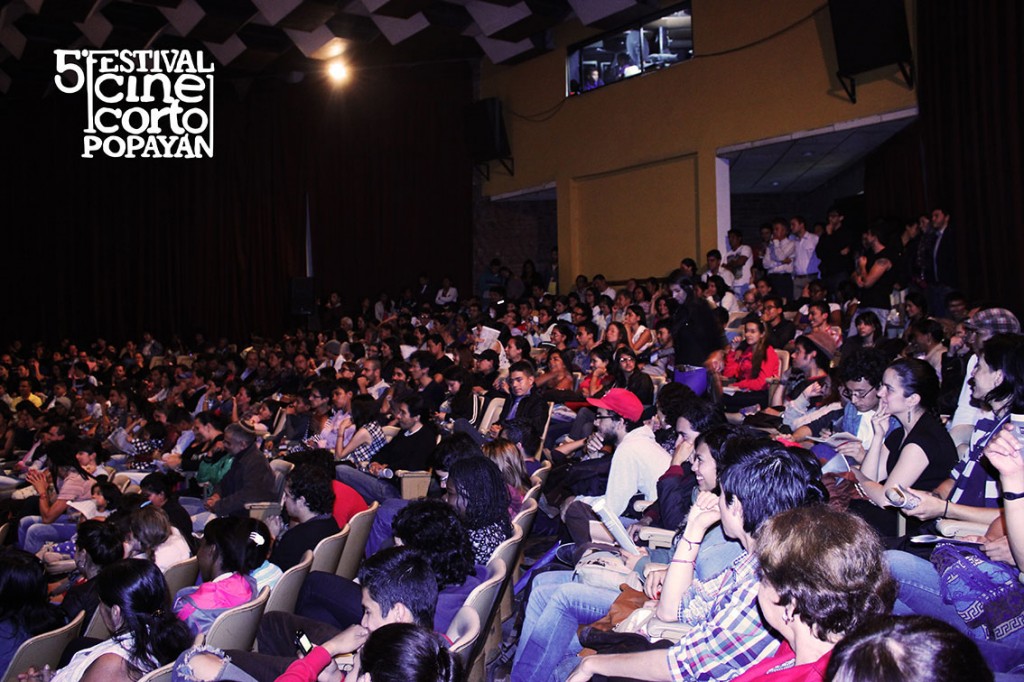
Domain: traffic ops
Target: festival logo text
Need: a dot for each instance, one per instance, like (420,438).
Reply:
(142,103)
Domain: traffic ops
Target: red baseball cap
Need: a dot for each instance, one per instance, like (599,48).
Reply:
(622,402)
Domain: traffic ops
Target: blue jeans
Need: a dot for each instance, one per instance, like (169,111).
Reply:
(370,487)
(919,593)
(33,533)
(556,608)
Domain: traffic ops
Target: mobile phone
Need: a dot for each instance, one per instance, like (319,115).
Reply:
(302,643)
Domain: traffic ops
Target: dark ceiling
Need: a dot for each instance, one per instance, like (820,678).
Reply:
(255,38)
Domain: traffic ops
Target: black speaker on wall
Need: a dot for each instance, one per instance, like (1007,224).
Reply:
(868,35)
(485,131)
(302,296)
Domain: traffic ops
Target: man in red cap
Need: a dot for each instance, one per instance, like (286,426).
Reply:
(638,461)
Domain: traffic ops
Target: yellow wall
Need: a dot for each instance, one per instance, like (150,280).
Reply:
(634,163)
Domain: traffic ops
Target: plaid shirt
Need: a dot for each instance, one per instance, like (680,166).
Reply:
(727,634)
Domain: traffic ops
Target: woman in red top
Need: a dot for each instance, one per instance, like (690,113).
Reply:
(749,368)
(823,574)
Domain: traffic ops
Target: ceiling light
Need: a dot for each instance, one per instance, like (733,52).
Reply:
(338,71)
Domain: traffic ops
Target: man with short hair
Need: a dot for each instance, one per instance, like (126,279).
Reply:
(875,275)
(586,339)
(663,354)
(714,261)
(940,263)
(835,250)
(375,384)
(602,288)
(397,586)
(778,329)
(739,259)
(778,259)
(248,480)
(410,450)
(805,260)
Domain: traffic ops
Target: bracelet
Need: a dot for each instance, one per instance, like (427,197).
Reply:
(692,562)
(1008,496)
(689,544)
(945,512)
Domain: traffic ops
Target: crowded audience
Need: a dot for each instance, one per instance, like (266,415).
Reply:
(798,462)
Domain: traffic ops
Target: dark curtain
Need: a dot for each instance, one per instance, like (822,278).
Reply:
(111,247)
(970,67)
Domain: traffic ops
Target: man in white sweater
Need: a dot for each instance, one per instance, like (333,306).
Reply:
(638,461)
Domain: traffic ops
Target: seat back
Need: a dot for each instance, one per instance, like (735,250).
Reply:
(483,599)
(328,551)
(540,476)
(181,574)
(4,530)
(544,433)
(97,629)
(358,532)
(491,414)
(414,484)
(236,628)
(122,481)
(285,594)
(282,466)
(160,674)
(508,549)
(391,431)
(524,519)
(783,361)
(464,631)
(44,649)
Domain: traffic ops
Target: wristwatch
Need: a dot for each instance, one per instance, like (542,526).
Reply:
(1008,496)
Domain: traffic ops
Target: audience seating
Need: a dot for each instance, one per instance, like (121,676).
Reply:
(180,575)
(264,510)
(236,628)
(508,553)
(285,594)
(359,531)
(44,649)
(533,493)
(491,414)
(4,530)
(540,476)
(415,484)
(483,599)
(391,431)
(544,434)
(163,674)
(97,629)
(464,631)
(327,553)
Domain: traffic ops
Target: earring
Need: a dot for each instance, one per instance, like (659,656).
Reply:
(909,412)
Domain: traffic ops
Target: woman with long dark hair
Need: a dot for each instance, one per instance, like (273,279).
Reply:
(749,367)
(403,652)
(25,609)
(135,606)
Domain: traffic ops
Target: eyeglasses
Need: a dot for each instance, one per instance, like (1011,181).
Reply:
(859,395)
(604,416)
(627,358)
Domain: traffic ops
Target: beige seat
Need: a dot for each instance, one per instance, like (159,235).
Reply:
(464,631)
(236,628)
(391,431)
(533,493)
(97,629)
(122,481)
(658,381)
(4,530)
(181,574)
(483,599)
(327,552)
(283,466)
(414,484)
(541,475)
(358,532)
(508,553)
(44,649)
(544,433)
(524,519)
(783,361)
(160,674)
(491,414)
(285,594)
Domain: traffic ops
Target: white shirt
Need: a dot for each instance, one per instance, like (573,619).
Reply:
(778,251)
(805,260)
(743,278)
(637,465)
(722,272)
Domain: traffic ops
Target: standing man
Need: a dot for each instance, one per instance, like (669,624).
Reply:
(778,259)
(805,260)
(834,250)
(940,271)
(875,276)
(739,259)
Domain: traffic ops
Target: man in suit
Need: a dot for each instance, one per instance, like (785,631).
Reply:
(940,271)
